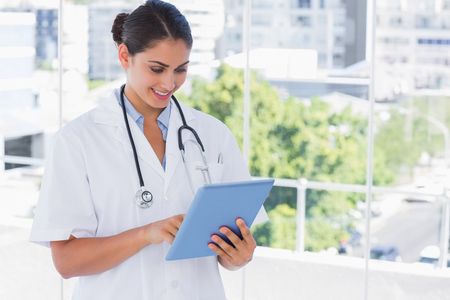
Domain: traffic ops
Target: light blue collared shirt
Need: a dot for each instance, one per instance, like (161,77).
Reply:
(163,118)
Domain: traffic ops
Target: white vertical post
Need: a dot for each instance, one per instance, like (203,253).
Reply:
(60,87)
(246,51)
(60,61)
(445,223)
(370,52)
(247,13)
(300,215)
(2,154)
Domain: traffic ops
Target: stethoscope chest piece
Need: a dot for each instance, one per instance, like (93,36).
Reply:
(143,197)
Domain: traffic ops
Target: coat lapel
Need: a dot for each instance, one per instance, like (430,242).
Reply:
(173,154)
(110,113)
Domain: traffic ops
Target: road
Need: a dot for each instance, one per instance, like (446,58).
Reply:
(414,226)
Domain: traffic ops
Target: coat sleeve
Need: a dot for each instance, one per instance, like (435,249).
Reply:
(235,168)
(65,205)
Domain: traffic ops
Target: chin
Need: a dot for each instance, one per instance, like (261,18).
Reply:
(158,103)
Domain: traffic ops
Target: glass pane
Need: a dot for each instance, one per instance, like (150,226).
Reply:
(280,232)
(412,116)
(333,226)
(91,65)
(208,87)
(308,119)
(326,38)
(28,114)
(418,161)
(393,236)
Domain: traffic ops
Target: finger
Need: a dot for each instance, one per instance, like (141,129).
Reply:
(227,248)
(179,220)
(176,222)
(180,217)
(218,250)
(226,260)
(245,231)
(231,236)
(172,229)
(168,237)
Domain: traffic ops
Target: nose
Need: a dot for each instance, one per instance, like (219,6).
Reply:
(168,82)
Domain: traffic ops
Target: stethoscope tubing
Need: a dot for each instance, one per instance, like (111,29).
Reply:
(130,136)
(185,126)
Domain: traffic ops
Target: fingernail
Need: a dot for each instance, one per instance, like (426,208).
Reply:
(223,230)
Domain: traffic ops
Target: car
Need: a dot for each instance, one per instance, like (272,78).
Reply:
(425,186)
(389,253)
(430,255)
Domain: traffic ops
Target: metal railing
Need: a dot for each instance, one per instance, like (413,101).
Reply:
(22,160)
(302,185)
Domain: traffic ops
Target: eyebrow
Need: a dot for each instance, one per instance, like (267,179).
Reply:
(165,65)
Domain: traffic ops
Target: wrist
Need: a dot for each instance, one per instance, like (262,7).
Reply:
(228,265)
(144,234)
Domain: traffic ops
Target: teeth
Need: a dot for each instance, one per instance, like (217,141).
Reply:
(159,93)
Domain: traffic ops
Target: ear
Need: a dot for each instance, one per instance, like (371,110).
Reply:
(124,56)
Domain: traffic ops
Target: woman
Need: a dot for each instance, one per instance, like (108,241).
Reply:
(87,213)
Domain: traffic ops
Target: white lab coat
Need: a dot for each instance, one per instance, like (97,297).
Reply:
(88,191)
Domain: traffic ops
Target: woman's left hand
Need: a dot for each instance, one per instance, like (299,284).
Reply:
(238,256)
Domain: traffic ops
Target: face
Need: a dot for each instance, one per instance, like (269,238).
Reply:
(155,74)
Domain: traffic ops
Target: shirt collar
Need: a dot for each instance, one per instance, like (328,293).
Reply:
(163,118)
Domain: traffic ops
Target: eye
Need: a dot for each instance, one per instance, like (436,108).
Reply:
(157,70)
(183,70)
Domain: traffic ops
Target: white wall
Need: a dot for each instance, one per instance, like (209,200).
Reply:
(280,274)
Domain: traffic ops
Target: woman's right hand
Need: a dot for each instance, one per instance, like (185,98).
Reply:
(88,256)
(163,230)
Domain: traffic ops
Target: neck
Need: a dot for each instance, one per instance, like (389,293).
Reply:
(148,112)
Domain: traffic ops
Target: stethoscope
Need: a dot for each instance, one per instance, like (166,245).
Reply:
(143,197)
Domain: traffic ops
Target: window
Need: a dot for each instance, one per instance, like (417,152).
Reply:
(309,114)
(304,3)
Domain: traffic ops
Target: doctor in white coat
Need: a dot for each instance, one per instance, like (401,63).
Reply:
(87,211)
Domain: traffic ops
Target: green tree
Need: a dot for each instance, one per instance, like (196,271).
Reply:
(292,139)
(408,132)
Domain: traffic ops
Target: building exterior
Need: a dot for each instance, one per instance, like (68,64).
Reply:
(413,46)
(412,38)
(46,36)
(102,58)
(17,58)
(19,133)
(310,24)
(206,18)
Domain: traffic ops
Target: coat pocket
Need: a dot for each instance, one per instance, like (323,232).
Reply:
(198,174)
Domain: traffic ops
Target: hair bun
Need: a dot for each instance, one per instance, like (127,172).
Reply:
(117,27)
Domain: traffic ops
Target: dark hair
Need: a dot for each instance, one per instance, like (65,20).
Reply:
(149,23)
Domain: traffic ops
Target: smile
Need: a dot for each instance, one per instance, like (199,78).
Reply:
(160,95)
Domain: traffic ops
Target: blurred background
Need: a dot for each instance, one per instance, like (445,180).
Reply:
(346,103)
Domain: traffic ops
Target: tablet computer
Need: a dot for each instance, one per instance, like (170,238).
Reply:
(214,206)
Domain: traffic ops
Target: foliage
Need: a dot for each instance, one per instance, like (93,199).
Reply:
(408,132)
(280,231)
(304,139)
